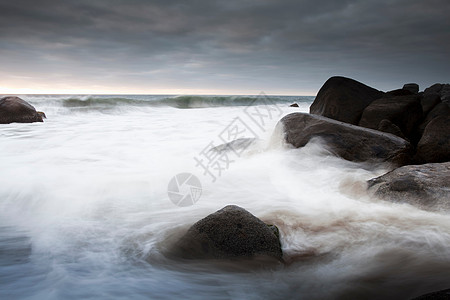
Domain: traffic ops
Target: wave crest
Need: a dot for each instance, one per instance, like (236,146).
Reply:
(182,102)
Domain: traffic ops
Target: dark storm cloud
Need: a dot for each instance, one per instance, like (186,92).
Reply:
(248,45)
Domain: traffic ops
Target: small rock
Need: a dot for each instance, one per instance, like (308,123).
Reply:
(293,105)
(229,233)
(412,87)
(238,145)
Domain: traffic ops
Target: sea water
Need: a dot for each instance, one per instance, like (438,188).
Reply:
(85,211)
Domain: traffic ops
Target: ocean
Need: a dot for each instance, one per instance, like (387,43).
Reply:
(88,205)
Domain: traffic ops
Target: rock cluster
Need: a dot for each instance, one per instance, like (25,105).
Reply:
(403,127)
(420,118)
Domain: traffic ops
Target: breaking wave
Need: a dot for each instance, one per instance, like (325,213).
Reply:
(182,102)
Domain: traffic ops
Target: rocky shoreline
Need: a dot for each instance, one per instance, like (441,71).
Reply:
(420,174)
(405,130)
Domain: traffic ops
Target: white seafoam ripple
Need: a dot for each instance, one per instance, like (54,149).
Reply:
(84,197)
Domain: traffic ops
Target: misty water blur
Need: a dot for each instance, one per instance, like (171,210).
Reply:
(84,210)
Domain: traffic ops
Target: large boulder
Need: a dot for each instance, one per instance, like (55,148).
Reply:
(350,142)
(434,146)
(16,110)
(403,111)
(230,233)
(343,99)
(426,186)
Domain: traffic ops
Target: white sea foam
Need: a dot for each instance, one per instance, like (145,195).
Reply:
(84,212)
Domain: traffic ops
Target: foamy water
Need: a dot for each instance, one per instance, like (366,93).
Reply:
(84,211)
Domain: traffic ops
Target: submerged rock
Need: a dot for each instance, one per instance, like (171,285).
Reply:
(238,145)
(350,142)
(229,233)
(293,105)
(16,110)
(343,99)
(426,186)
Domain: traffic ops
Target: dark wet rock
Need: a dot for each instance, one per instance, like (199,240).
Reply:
(343,99)
(16,110)
(389,127)
(412,87)
(229,233)
(403,111)
(445,93)
(429,101)
(293,105)
(398,92)
(238,146)
(443,90)
(350,142)
(434,146)
(441,109)
(426,186)
(440,295)
(435,89)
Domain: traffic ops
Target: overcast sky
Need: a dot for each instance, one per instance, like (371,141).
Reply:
(220,47)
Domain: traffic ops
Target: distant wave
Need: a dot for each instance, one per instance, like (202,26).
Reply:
(103,102)
(183,102)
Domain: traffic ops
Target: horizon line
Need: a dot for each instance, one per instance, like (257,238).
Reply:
(156,94)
